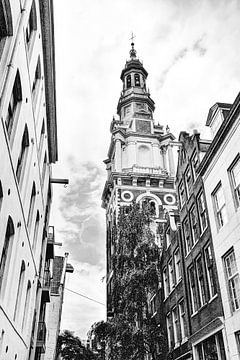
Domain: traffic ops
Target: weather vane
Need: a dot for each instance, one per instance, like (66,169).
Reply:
(132,37)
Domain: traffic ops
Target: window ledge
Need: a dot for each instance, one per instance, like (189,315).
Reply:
(213,298)
(184,340)
(194,314)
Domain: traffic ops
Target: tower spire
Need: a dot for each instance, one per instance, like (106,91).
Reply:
(132,51)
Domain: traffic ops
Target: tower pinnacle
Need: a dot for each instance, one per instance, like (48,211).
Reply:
(132,51)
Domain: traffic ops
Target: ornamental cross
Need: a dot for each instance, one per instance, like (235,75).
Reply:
(132,37)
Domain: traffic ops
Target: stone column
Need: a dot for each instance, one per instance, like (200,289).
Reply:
(118,156)
(164,157)
(171,160)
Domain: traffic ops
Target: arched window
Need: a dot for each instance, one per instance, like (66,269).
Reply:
(32,23)
(35,235)
(31,205)
(6,253)
(137,79)
(26,305)
(150,204)
(23,154)
(19,291)
(129,81)
(14,103)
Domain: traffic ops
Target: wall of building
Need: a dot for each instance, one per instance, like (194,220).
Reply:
(226,237)
(27,245)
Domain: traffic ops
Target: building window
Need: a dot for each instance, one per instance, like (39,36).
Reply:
(32,23)
(23,154)
(31,205)
(140,106)
(181,193)
(127,110)
(200,280)
(211,348)
(182,317)
(14,104)
(26,305)
(5,20)
(188,181)
(6,253)
(237,336)
(19,291)
(194,225)
(37,77)
(194,163)
(233,280)
(168,239)
(219,206)
(187,236)
(193,289)
(211,281)
(171,275)
(137,79)
(129,81)
(169,331)
(153,305)
(177,262)
(175,326)
(235,180)
(202,212)
(165,283)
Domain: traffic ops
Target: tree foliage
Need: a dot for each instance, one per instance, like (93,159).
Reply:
(133,331)
(71,348)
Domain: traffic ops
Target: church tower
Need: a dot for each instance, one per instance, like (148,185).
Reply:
(140,162)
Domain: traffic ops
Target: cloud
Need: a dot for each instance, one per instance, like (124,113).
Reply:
(83,230)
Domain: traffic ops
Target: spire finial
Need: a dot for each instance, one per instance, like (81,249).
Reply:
(132,51)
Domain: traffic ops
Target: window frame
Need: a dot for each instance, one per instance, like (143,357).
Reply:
(202,211)
(219,210)
(177,264)
(209,265)
(201,281)
(14,106)
(234,188)
(229,279)
(193,289)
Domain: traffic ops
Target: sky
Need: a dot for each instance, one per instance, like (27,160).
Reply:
(190,49)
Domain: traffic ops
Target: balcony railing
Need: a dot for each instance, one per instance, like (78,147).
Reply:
(41,336)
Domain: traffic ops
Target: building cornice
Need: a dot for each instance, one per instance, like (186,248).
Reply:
(47,26)
(220,136)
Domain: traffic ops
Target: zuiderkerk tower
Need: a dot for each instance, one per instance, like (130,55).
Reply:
(140,161)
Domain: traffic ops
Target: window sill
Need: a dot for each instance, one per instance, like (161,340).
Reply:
(194,314)
(184,340)
(213,298)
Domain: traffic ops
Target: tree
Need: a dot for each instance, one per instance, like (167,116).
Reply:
(71,348)
(133,331)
